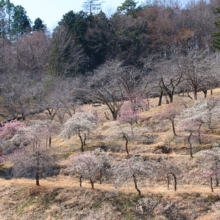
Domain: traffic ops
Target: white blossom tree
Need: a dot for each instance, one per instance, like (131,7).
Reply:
(210,164)
(90,165)
(133,168)
(190,127)
(38,163)
(202,113)
(81,124)
(36,160)
(169,168)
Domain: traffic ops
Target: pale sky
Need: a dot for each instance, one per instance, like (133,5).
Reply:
(51,11)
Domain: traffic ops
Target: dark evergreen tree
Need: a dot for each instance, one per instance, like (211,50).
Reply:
(216,42)
(21,22)
(9,11)
(76,23)
(128,6)
(3,20)
(38,25)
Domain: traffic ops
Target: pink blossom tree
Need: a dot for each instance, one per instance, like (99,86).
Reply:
(120,129)
(9,129)
(169,112)
(127,114)
(35,133)
(137,101)
(81,124)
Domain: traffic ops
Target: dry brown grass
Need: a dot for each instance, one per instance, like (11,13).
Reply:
(65,147)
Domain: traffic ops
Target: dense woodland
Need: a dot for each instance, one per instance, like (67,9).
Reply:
(127,103)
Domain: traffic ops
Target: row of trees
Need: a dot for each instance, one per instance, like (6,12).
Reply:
(83,41)
(15,22)
(111,84)
(132,33)
(39,160)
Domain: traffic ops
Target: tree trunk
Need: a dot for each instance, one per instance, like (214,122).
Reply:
(82,149)
(135,184)
(106,116)
(171,97)
(173,126)
(126,144)
(216,178)
(50,142)
(100,179)
(80,181)
(114,115)
(84,141)
(211,184)
(175,181)
(189,95)
(160,98)
(37,178)
(92,184)
(168,181)
(37,170)
(195,93)
(205,93)
(211,92)
(199,134)
(190,144)
(167,102)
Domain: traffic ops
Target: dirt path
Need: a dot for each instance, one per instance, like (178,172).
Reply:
(67,182)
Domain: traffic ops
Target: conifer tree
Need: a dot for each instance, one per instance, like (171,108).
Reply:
(216,42)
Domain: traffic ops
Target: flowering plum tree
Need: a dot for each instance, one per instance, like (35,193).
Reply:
(119,128)
(210,164)
(202,113)
(189,126)
(81,124)
(137,101)
(169,167)
(126,133)
(34,133)
(90,165)
(8,130)
(134,168)
(127,114)
(29,163)
(37,160)
(169,112)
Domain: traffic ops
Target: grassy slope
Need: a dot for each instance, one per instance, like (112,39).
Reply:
(61,198)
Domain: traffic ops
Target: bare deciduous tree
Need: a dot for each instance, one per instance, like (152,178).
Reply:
(196,69)
(107,88)
(66,55)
